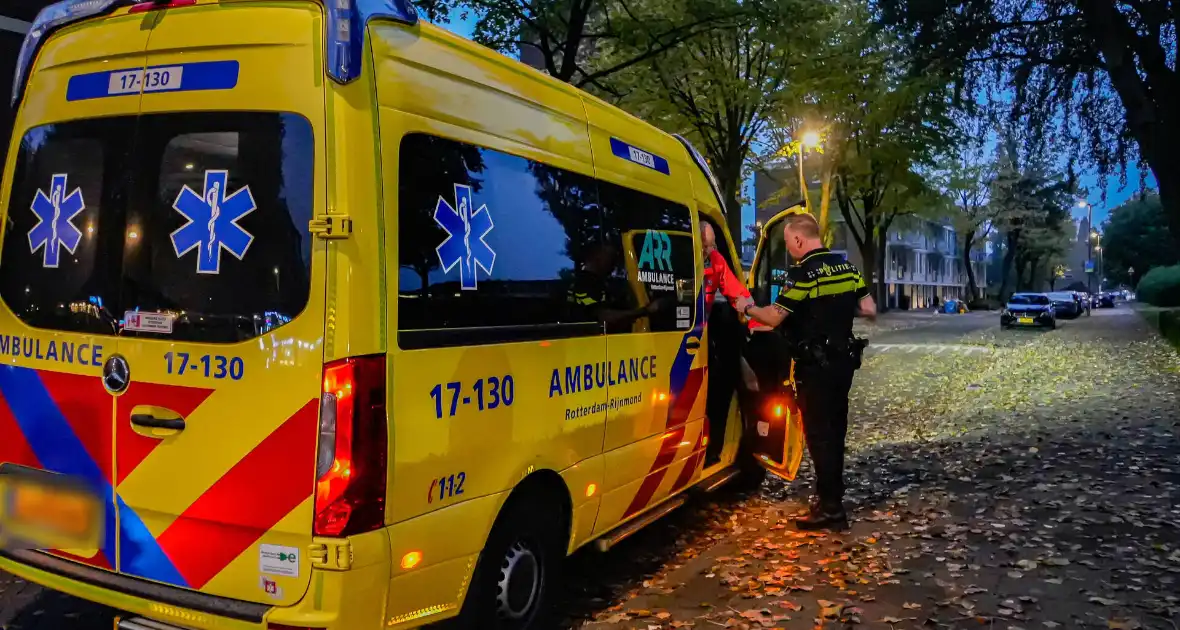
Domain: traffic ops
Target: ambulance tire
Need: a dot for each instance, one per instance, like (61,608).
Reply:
(517,576)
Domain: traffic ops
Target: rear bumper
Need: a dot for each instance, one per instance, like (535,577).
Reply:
(335,600)
(133,595)
(1009,319)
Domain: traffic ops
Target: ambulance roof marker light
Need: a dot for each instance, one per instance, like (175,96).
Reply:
(346,25)
(48,20)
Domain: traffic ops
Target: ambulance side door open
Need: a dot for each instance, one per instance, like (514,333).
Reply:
(771,414)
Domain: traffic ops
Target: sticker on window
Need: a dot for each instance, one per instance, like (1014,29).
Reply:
(655,261)
(465,245)
(55,221)
(148,322)
(213,222)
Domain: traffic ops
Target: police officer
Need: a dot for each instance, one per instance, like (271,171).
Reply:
(594,293)
(822,295)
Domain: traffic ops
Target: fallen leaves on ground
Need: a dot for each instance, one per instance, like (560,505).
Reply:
(1043,497)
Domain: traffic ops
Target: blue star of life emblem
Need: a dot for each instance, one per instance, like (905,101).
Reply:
(213,222)
(55,226)
(466,231)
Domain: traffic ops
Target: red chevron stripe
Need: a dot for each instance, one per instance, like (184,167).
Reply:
(682,406)
(133,448)
(690,464)
(14,448)
(677,416)
(659,468)
(232,514)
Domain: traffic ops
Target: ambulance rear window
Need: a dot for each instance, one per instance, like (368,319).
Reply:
(199,216)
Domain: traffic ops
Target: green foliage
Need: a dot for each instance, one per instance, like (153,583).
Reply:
(1031,207)
(1056,67)
(1160,286)
(569,36)
(1136,237)
(721,88)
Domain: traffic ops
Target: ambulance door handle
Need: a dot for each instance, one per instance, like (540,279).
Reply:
(150,421)
(158,421)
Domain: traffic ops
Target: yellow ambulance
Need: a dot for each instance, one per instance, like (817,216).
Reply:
(332,319)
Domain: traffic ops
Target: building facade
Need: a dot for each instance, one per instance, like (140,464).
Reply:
(923,259)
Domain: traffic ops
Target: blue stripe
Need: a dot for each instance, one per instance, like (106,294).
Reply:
(682,364)
(140,554)
(59,450)
(635,155)
(194,77)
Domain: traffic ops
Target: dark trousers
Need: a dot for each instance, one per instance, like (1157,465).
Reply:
(823,400)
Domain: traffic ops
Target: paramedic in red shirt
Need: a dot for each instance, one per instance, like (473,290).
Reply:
(718,275)
(726,335)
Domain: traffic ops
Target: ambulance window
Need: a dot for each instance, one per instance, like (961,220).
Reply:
(217,231)
(657,255)
(64,202)
(489,245)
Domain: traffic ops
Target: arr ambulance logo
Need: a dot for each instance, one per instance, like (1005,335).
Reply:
(213,222)
(465,245)
(55,226)
(657,251)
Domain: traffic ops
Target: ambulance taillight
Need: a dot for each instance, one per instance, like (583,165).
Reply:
(351,456)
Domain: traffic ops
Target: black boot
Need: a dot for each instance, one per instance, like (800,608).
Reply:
(823,516)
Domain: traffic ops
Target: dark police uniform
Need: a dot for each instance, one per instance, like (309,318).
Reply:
(821,295)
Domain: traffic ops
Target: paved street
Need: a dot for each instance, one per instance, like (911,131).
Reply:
(999,479)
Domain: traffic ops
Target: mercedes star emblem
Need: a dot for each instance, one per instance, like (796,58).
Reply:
(116,375)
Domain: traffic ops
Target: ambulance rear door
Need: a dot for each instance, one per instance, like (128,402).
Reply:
(63,185)
(221,303)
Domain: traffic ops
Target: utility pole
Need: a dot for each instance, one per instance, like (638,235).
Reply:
(1089,244)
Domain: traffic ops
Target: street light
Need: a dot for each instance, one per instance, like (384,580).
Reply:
(809,140)
(1082,203)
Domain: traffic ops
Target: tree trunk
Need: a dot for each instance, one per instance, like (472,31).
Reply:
(1008,266)
(729,180)
(1149,90)
(882,287)
(972,289)
(825,203)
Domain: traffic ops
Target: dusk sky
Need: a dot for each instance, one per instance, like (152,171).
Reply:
(1115,194)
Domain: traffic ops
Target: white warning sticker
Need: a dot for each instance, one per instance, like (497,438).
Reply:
(278,560)
(148,322)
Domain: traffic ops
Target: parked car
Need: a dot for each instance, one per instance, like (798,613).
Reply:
(1029,309)
(1105,300)
(1066,304)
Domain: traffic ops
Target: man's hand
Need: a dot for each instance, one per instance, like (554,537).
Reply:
(867,308)
(771,316)
(741,303)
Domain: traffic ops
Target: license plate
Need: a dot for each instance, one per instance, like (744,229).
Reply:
(1025,320)
(50,516)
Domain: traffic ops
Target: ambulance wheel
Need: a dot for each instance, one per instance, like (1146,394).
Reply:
(518,570)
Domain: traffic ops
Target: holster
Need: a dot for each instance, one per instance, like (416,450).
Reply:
(825,353)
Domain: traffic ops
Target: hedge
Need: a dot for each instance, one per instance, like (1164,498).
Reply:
(1160,287)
